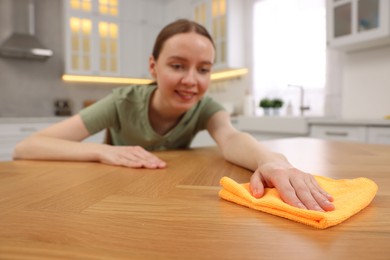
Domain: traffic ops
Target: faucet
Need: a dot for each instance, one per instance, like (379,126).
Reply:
(302,108)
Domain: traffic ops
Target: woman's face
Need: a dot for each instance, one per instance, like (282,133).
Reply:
(182,70)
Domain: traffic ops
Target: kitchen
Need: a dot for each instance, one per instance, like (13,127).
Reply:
(95,211)
(355,106)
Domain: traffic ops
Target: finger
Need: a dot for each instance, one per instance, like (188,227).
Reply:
(256,185)
(321,190)
(148,159)
(306,193)
(320,197)
(288,193)
(128,162)
(132,160)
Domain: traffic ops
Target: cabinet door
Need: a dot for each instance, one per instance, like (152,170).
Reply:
(224,21)
(342,133)
(378,135)
(141,24)
(92,44)
(358,24)
(203,139)
(11,134)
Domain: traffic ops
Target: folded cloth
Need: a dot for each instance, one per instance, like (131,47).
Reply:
(350,196)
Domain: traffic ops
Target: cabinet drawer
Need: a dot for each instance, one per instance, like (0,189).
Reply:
(378,135)
(344,133)
(21,129)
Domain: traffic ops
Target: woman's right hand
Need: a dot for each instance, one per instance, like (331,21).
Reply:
(130,156)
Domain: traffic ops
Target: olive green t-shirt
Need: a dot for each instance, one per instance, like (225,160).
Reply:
(125,113)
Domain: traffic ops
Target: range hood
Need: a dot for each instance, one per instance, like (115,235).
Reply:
(24,44)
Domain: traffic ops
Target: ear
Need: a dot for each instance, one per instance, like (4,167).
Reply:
(152,67)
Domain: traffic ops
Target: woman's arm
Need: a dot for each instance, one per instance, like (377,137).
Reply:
(270,169)
(62,141)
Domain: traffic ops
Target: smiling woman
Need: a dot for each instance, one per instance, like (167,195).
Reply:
(168,115)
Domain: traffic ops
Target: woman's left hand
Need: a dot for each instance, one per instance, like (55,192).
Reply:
(295,187)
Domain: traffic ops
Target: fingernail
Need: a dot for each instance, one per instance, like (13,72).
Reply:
(255,192)
(300,205)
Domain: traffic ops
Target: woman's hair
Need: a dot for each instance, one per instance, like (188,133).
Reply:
(179,26)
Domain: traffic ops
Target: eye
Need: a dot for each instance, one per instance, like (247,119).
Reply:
(204,70)
(177,66)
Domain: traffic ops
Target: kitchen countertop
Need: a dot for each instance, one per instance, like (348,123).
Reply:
(30,120)
(298,125)
(277,124)
(346,121)
(80,210)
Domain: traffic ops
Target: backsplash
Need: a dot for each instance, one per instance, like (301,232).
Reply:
(29,88)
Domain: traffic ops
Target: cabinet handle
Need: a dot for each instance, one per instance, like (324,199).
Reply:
(28,129)
(336,133)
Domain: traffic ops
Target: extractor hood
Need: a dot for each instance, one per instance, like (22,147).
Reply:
(24,44)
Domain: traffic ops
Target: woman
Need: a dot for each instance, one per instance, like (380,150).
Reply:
(167,116)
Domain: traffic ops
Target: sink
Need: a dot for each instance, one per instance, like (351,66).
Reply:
(274,124)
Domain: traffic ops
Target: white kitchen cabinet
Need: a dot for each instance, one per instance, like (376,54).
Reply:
(378,135)
(224,21)
(13,133)
(92,42)
(111,37)
(140,26)
(203,139)
(339,132)
(358,24)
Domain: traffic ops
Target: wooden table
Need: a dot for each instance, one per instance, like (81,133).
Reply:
(70,210)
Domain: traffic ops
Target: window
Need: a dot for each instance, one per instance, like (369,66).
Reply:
(290,49)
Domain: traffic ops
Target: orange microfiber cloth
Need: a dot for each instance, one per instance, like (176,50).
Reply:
(350,196)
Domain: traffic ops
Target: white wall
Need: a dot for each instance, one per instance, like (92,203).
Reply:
(366,84)
(28,88)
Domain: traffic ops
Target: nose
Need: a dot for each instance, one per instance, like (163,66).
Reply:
(189,78)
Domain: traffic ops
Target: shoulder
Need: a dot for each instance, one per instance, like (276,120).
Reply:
(133,92)
(209,104)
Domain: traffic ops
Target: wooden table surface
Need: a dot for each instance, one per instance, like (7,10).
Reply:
(70,210)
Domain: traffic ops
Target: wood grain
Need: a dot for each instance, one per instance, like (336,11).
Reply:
(73,210)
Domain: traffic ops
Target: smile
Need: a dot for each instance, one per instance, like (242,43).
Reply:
(185,95)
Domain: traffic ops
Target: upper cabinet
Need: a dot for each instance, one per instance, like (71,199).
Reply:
(111,37)
(140,25)
(358,24)
(92,44)
(224,21)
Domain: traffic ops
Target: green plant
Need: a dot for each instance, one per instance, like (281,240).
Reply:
(265,103)
(277,103)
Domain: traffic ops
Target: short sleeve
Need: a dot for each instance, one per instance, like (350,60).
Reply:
(100,115)
(209,108)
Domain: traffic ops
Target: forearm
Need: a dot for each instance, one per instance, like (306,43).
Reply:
(244,150)
(49,148)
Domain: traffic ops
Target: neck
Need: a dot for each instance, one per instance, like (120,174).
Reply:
(161,116)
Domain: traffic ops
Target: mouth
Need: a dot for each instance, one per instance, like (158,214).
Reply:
(185,95)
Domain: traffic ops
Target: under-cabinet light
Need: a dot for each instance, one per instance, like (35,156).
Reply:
(114,80)
(228,74)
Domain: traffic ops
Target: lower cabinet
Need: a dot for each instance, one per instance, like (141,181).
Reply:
(378,135)
(356,133)
(12,133)
(339,132)
(203,139)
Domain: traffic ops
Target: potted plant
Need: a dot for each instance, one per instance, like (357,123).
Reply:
(266,105)
(277,103)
